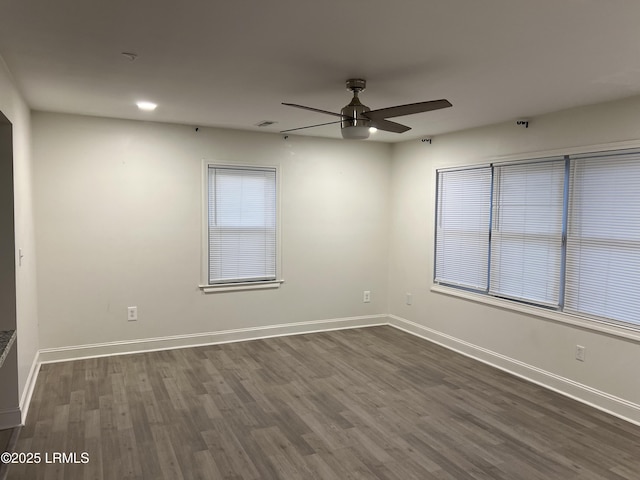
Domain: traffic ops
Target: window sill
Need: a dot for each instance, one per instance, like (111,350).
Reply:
(628,333)
(237,287)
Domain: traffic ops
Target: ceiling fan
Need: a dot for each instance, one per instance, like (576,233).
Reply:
(356,119)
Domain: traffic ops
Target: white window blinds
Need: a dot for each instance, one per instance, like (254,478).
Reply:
(526,231)
(462,227)
(603,243)
(241,224)
(591,201)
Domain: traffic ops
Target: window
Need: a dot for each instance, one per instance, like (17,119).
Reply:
(563,233)
(241,224)
(462,234)
(603,244)
(526,231)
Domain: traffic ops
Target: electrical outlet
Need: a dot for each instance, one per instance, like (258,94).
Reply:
(132,314)
(367,296)
(409,299)
(580,353)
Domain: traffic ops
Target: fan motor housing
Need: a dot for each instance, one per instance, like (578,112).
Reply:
(356,127)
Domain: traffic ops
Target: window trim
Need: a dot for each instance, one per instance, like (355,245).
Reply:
(204,284)
(237,286)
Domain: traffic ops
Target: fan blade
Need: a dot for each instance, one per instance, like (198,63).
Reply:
(310,126)
(408,109)
(389,126)
(315,110)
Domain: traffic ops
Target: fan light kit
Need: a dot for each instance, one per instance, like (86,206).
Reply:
(358,120)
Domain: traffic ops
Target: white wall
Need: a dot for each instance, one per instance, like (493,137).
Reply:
(15,109)
(538,348)
(118,216)
(119,224)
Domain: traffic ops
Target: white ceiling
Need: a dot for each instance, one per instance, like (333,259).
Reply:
(231,63)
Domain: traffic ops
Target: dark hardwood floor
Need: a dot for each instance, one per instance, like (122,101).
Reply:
(372,403)
(5,435)
(8,438)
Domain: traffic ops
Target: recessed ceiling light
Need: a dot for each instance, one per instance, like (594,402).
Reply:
(373,129)
(146,106)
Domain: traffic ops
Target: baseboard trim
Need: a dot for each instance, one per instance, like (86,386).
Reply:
(52,355)
(10,418)
(603,401)
(25,400)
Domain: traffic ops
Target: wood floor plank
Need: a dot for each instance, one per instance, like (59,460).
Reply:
(372,403)
(204,467)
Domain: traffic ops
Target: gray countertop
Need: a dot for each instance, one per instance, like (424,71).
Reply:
(7,337)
